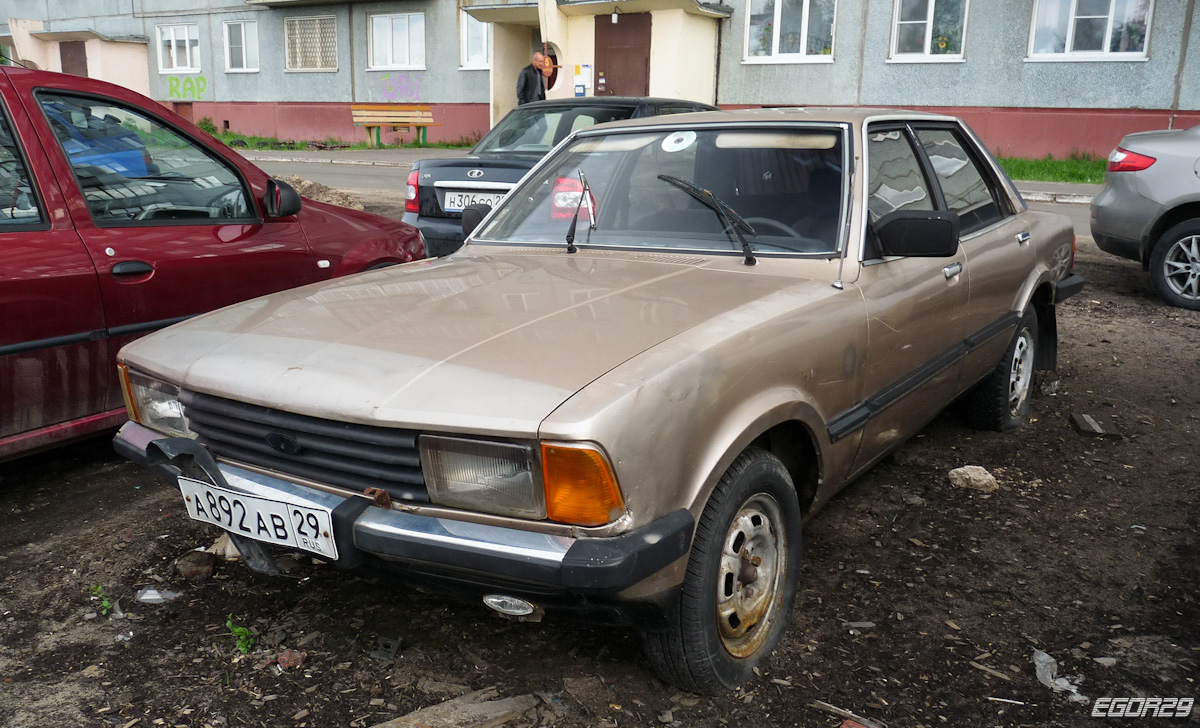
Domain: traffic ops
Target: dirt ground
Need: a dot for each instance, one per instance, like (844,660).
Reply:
(920,605)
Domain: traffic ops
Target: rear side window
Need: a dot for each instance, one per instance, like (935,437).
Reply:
(894,181)
(133,169)
(18,203)
(968,190)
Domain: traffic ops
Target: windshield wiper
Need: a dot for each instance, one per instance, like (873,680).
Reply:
(584,193)
(727,214)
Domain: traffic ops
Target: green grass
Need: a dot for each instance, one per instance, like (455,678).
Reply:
(252,141)
(1078,167)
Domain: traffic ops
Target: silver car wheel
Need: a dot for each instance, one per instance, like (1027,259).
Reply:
(753,562)
(1181,268)
(1020,372)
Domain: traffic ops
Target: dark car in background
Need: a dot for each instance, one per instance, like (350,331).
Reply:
(1149,210)
(439,189)
(117,218)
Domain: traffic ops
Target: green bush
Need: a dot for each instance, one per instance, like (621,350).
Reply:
(207,125)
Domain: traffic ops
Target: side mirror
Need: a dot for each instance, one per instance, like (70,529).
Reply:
(282,199)
(472,215)
(918,233)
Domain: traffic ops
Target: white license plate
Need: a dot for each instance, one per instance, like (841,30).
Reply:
(275,521)
(456,201)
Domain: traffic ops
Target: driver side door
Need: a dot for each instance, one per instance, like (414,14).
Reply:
(173,227)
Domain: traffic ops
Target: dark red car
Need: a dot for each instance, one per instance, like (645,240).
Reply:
(117,218)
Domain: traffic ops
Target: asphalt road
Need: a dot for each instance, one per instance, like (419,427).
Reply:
(346,177)
(350,178)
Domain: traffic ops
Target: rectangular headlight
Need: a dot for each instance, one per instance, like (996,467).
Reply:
(478,475)
(154,403)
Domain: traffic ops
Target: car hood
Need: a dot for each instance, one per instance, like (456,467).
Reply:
(473,343)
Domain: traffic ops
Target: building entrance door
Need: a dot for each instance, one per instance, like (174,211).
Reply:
(623,55)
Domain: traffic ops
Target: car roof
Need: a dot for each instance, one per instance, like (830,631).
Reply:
(612,101)
(854,115)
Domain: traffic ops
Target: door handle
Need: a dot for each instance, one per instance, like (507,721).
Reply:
(952,270)
(131,268)
(1022,238)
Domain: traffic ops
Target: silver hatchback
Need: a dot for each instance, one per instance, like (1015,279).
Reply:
(1149,210)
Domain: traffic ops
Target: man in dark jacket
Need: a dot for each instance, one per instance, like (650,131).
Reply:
(529,83)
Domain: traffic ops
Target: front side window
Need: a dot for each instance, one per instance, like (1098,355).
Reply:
(1112,29)
(132,169)
(241,46)
(178,49)
(311,43)
(966,186)
(925,29)
(789,30)
(894,177)
(18,202)
(655,189)
(476,43)
(398,41)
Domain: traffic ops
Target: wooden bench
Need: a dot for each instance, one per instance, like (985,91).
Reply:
(377,116)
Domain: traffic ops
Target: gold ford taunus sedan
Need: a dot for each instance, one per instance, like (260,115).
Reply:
(670,343)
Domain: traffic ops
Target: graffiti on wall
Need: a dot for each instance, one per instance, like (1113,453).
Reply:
(400,87)
(191,88)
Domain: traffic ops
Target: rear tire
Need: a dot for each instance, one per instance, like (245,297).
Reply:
(1002,401)
(1175,266)
(741,580)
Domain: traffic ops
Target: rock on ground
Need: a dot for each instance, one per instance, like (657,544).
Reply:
(975,478)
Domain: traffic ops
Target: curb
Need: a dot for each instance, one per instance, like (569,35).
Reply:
(312,160)
(1064,198)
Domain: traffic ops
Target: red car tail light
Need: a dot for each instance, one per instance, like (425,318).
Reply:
(1123,160)
(565,198)
(412,192)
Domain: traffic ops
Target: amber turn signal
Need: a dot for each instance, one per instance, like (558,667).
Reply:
(580,486)
(127,393)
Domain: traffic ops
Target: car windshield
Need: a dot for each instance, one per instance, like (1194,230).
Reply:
(537,130)
(787,184)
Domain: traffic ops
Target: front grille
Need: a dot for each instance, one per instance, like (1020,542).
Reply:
(352,456)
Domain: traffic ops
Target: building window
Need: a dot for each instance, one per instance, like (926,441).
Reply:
(241,46)
(476,43)
(311,43)
(178,49)
(398,41)
(926,29)
(789,30)
(1113,29)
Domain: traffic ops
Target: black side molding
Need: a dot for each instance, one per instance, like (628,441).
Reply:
(855,418)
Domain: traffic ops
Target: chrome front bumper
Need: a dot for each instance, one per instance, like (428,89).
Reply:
(477,552)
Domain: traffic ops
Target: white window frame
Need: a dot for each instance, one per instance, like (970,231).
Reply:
(391,65)
(1070,56)
(802,56)
(188,29)
(926,56)
(464,63)
(246,68)
(336,59)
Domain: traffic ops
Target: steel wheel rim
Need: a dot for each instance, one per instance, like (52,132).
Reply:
(1181,268)
(753,564)
(1020,372)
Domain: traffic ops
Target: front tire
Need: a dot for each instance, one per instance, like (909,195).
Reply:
(741,580)
(1175,266)
(1002,401)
